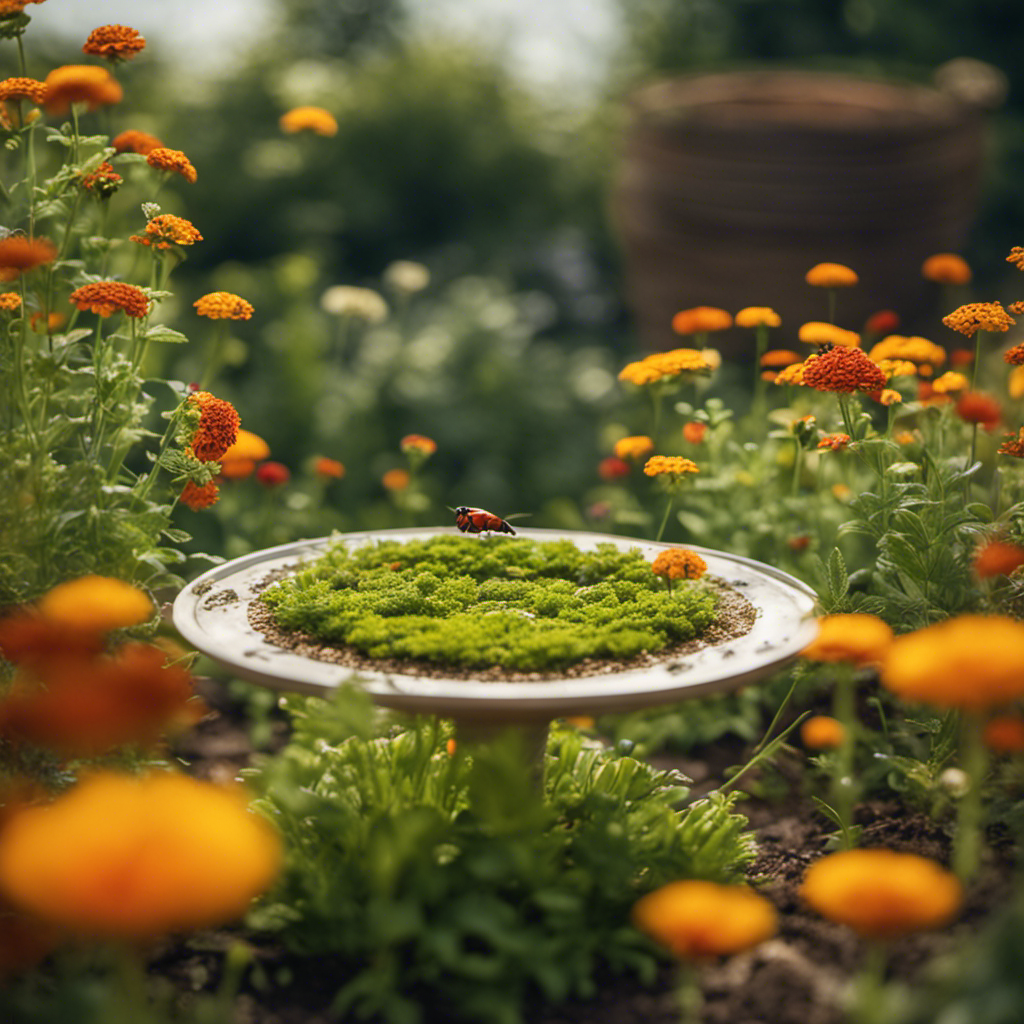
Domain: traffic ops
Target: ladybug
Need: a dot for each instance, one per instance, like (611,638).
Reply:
(479,520)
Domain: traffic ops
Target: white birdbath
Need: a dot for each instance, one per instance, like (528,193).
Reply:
(211,613)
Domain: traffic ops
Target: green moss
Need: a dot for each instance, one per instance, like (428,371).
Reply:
(522,604)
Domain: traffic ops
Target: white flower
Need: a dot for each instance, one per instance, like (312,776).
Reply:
(347,300)
(407,276)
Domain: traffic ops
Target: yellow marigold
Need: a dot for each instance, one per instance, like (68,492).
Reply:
(979,316)
(669,465)
(636,447)
(700,320)
(21,88)
(676,361)
(80,83)
(843,370)
(712,357)
(96,604)
(912,349)
(1005,734)
(196,497)
(640,373)
(792,374)
(758,316)
(896,367)
(135,857)
(816,332)
(172,161)
(950,382)
(820,732)
(114,42)
(10,302)
(1015,356)
(777,358)
(889,397)
(842,492)
(223,306)
(308,119)
(831,275)
(1015,382)
(904,437)
(105,297)
(881,894)
(396,479)
(166,230)
(328,469)
(969,662)
(1016,257)
(247,445)
(679,564)
(133,141)
(217,429)
(857,638)
(18,254)
(834,442)
(997,558)
(697,920)
(946,268)
(418,443)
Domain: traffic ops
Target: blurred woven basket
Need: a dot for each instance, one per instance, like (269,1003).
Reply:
(731,186)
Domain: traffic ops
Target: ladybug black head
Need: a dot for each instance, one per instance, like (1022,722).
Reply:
(462,510)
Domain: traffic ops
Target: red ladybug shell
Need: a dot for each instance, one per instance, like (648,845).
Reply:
(479,520)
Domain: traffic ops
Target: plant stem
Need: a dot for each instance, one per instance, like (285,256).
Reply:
(974,759)
(844,710)
(798,467)
(689,995)
(977,357)
(664,518)
(870,985)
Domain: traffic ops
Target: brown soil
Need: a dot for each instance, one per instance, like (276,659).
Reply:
(734,617)
(798,977)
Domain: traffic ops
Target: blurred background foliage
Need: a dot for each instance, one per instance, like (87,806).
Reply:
(445,155)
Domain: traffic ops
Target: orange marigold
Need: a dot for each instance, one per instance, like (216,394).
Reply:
(197,497)
(912,349)
(843,370)
(977,407)
(816,332)
(758,316)
(222,305)
(104,297)
(640,373)
(836,442)
(979,316)
(777,358)
(114,42)
(700,320)
(820,732)
(694,431)
(880,893)
(18,254)
(418,444)
(1016,257)
(80,83)
(10,302)
(697,920)
(677,360)
(792,374)
(308,119)
(1005,734)
(946,268)
(679,564)
(997,558)
(217,429)
(396,479)
(95,604)
(857,638)
(21,88)
(247,446)
(133,857)
(8,8)
(831,275)
(636,447)
(669,465)
(133,141)
(166,230)
(328,469)
(1015,355)
(172,160)
(1015,446)
(971,662)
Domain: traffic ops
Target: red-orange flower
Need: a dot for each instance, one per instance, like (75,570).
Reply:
(172,161)
(166,230)
(197,497)
(240,459)
(700,320)
(836,442)
(1005,734)
(612,468)
(114,42)
(273,474)
(217,428)
(885,321)
(328,469)
(104,181)
(1015,355)
(977,407)
(1014,446)
(80,83)
(694,431)
(820,732)
(843,369)
(21,88)
(778,358)
(133,141)
(8,8)
(18,254)
(105,297)
(396,479)
(997,558)
(419,444)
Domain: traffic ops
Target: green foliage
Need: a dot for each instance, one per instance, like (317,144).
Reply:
(453,876)
(514,602)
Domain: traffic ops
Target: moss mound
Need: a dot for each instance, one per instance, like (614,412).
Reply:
(522,604)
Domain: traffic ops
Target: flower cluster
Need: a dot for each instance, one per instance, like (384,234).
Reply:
(674,466)
(104,181)
(114,42)
(216,427)
(835,442)
(758,316)
(831,275)
(679,564)
(701,320)
(843,370)
(133,141)
(106,297)
(662,366)
(166,230)
(80,83)
(417,444)
(637,446)
(22,88)
(816,332)
(946,268)
(173,161)
(979,316)
(19,254)
(222,305)
(309,119)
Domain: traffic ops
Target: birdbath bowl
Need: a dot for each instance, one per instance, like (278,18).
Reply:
(211,613)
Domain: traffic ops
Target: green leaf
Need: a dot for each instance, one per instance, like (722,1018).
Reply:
(166,335)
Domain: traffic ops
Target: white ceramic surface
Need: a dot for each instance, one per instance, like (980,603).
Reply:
(212,614)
